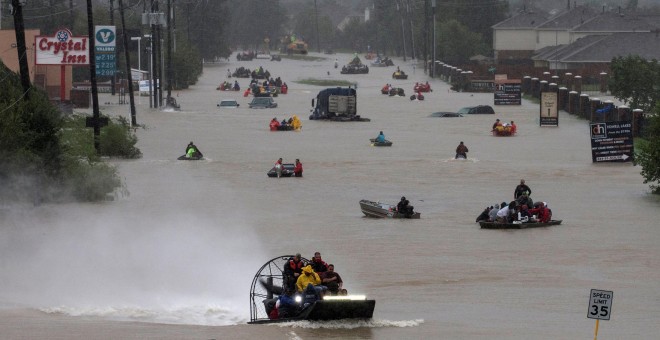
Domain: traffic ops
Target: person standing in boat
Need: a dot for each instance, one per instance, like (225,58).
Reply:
(461,151)
(521,189)
(298,169)
(279,167)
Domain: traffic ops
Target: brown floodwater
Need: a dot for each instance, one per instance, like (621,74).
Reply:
(173,256)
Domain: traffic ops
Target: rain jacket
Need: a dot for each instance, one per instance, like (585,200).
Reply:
(304,279)
(296,123)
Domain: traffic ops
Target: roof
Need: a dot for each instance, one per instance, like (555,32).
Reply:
(621,22)
(570,19)
(645,45)
(523,19)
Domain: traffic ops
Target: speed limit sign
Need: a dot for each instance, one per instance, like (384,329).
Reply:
(600,304)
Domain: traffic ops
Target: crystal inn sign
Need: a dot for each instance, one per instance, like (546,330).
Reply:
(61,49)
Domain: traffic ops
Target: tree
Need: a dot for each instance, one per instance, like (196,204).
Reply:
(648,152)
(205,23)
(250,22)
(37,159)
(636,81)
(456,43)
(305,27)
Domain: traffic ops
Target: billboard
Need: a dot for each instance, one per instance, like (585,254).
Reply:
(105,40)
(507,92)
(612,142)
(548,113)
(61,49)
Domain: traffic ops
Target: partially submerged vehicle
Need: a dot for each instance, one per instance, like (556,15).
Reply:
(262,103)
(336,104)
(267,287)
(384,210)
(517,225)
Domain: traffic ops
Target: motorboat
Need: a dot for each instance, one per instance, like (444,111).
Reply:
(287,170)
(383,210)
(517,224)
(267,286)
(375,143)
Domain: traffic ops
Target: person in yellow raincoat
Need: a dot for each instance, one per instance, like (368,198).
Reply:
(296,124)
(308,276)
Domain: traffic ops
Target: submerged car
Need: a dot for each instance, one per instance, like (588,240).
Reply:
(228,103)
(262,103)
(446,114)
(479,109)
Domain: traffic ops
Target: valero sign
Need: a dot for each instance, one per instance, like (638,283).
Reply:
(61,49)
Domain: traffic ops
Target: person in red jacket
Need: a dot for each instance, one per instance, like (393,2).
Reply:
(542,212)
(274,124)
(298,169)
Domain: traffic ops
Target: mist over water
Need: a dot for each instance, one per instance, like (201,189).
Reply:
(175,266)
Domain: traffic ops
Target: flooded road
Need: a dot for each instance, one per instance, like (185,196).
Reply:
(174,258)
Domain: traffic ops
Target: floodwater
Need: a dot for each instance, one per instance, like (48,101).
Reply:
(174,255)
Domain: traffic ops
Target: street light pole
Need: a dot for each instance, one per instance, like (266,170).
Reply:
(138,39)
(151,69)
(316,12)
(433,3)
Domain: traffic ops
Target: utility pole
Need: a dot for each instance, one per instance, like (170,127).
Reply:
(410,12)
(433,3)
(112,23)
(19,27)
(426,36)
(96,121)
(128,63)
(403,30)
(318,44)
(154,55)
(169,51)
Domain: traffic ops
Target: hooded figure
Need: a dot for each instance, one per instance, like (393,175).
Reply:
(308,276)
(296,124)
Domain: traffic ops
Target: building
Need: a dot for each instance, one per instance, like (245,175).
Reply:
(46,77)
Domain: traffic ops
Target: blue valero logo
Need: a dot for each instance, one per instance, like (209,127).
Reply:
(105,36)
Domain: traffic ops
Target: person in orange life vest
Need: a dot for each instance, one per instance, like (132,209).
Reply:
(274,124)
(292,271)
(298,169)
(318,264)
(513,128)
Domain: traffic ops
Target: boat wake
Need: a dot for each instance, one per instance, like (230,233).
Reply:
(350,324)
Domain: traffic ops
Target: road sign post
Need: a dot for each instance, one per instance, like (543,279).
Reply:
(600,306)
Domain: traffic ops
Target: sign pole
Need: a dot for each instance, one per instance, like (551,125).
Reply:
(596,331)
(62,83)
